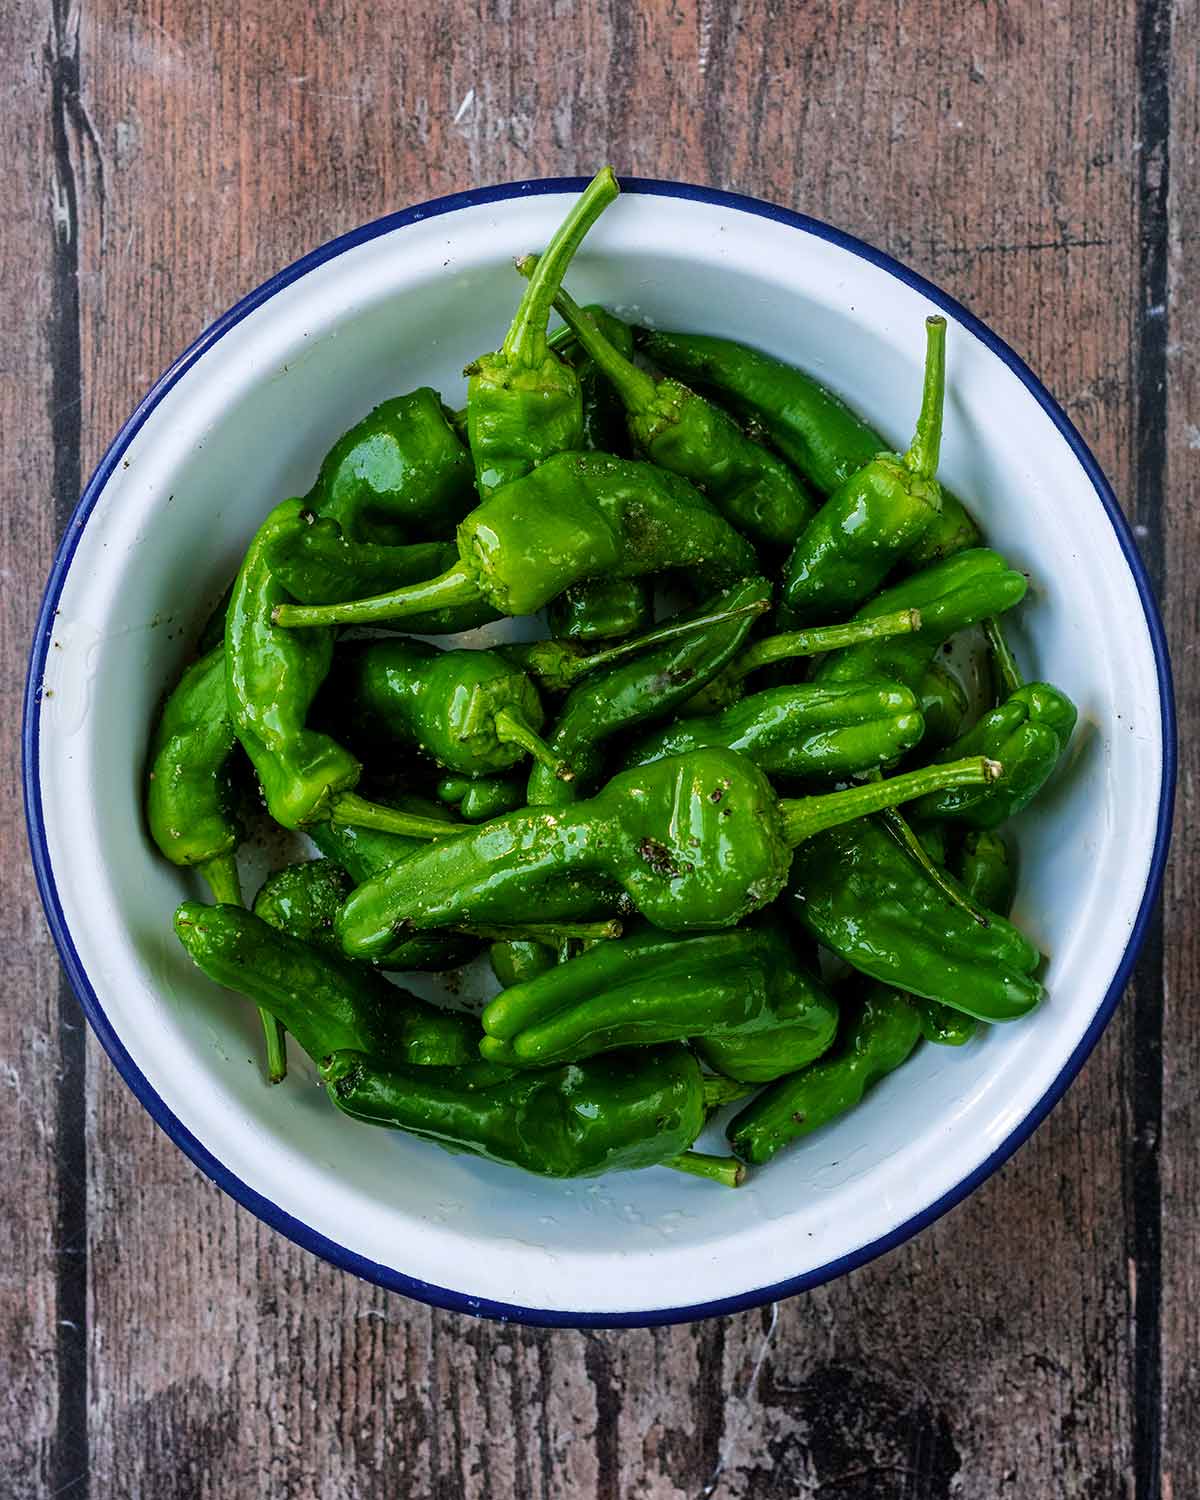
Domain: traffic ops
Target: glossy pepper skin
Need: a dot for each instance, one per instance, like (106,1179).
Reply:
(515,962)
(875,517)
(323,1001)
(523,402)
(484,797)
(681,431)
(650,686)
(814,429)
(272,677)
(318,564)
(943,704)
(610,1114)
(398,475)
(879,1035)
(949,596)
(858,893)
(602,609)
(988,869)
(741,997)
(693,842)
(603,414)
(577,516)
(470,711)
(1029,732)
(812,729)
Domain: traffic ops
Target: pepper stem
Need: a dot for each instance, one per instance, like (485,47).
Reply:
(570,672)
(635,387)
(723,1169)
(1007,673)
(455,586)
(903,833)
(923,451)
(221,874)
(512,728)
(349,807)
(526,343)
(783,647)
(542,932)
(805,816)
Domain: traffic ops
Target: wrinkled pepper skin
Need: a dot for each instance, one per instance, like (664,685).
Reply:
(858,893)
(812,729)
(399,474)
(682,432)
(814,429)
(189,798)
(876,1039)
(272,677)
(1029,733)
(949,595)
(875,517)
(318,564)
(448,705)
(741,997)
(603,609)
(323,1001)
(610,1114)
(694,842)
(650,686)
(943,705)
(524,404)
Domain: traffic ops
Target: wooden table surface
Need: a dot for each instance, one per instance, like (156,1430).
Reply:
(1037,160)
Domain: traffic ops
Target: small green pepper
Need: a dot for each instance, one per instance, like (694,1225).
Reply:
(694,842)
(681,431)
(811,729)
(943,704)
(325,1002)
(988,870)
(858,893)
(740,997)
(814,429)
(610,1114)
(483,797)
(877,1037)
(577,516)
(602,609)
(515,962)
(523,402)
(603,414)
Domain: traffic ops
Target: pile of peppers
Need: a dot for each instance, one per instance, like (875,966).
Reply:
(731,828)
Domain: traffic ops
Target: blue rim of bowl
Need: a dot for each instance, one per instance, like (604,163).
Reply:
(277,1217)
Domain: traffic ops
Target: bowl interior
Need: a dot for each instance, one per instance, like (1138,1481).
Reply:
(247,423)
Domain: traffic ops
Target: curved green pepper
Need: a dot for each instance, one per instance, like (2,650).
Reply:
(812,729)
(857,892)
(400,473)
(610,1114)
(577,516)
(523,402)
(470,711)
(876,516)
(814,429)
(601,609)
(875,1040)
(681,431)
(943,704)
(619,697)
(325,1002)
(740,997)
(694,842)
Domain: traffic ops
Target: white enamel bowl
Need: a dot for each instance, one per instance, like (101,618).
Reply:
(243,419)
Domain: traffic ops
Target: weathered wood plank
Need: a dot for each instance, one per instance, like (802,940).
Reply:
(993,148)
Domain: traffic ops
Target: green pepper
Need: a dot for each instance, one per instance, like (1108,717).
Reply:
(877,1037)
(610,1114)
(815,430)
(523,402)
(988,870)
(812,729)
(325,1002)
(740,997)
(483,797)
(514,962)
(694,842)
(876,516)
(603,414)
(470,711)
(949,595)
(189,797)
(858,893)
(398,474)
(619,697)
(317,564)
(943,704)
(601,609)
(576,516)
(681,431)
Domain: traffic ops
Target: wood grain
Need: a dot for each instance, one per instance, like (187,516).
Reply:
(997,150)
